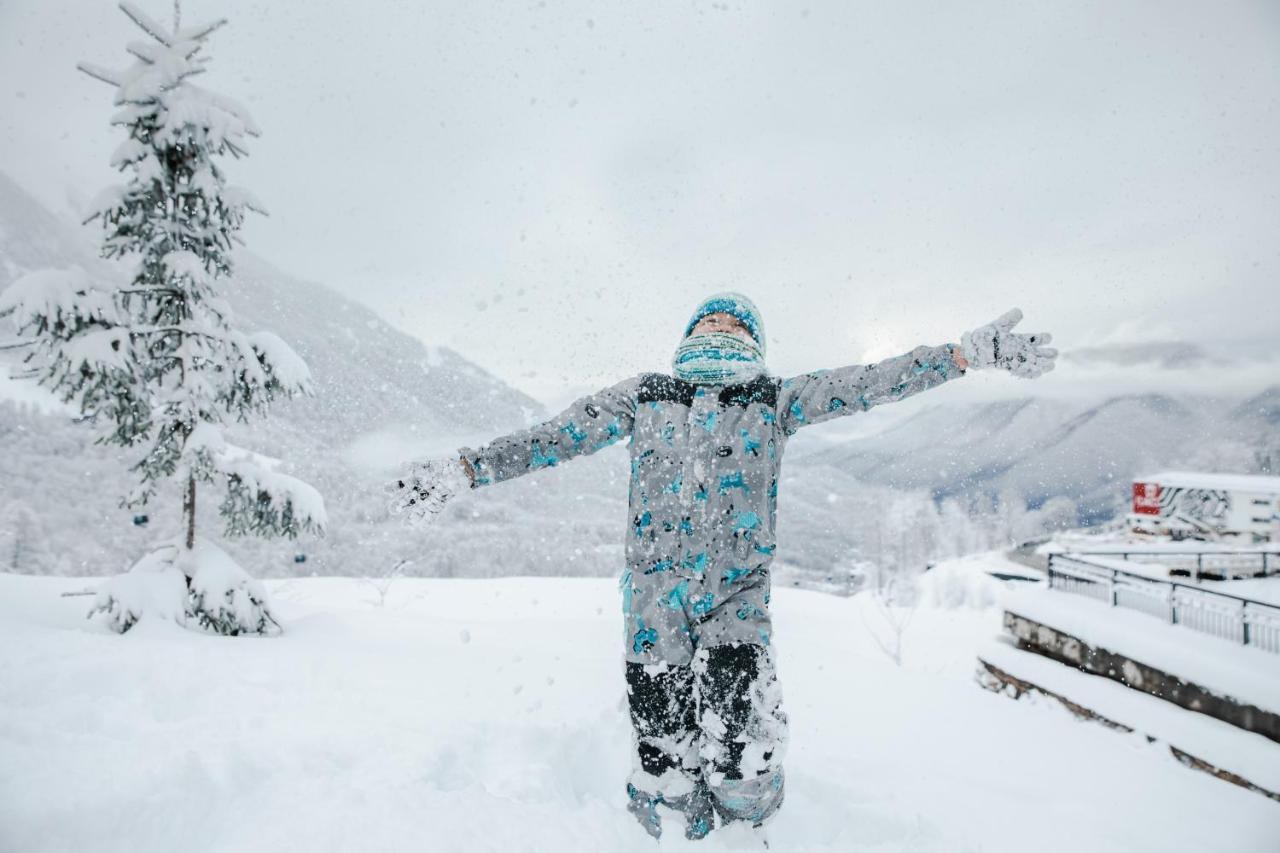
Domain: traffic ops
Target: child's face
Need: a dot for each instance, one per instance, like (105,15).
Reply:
(722,322)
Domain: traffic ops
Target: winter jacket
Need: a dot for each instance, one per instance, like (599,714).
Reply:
(705,462)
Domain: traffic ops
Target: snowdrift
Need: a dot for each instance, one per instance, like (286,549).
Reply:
(475,715)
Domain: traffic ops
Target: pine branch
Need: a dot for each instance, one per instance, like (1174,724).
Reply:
(99,73)
(124,120)
(155,289)
(202,31)
(139,49)
(172,330)
(147,53)
(146,24)
(15,344)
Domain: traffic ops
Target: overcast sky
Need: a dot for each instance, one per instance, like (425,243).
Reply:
(550,187)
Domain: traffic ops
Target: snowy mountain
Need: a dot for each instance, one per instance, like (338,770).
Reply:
(367,374)
(32,238)
(1260,411)
(1037,449)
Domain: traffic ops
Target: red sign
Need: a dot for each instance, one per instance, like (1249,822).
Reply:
(1146,498)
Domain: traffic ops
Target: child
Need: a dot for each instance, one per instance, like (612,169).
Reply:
(706,447)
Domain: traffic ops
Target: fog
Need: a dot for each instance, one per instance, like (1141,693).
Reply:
(549,188)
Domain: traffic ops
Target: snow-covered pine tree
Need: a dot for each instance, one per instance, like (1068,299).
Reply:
(22,540)
(159,360)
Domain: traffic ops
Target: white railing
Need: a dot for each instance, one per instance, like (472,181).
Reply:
(1231,617)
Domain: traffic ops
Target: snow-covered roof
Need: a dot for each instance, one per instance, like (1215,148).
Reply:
(1195,480)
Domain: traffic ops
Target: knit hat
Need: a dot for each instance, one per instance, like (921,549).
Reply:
(737,305)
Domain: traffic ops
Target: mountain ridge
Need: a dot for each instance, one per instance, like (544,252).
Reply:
(330,331)
(1043,448)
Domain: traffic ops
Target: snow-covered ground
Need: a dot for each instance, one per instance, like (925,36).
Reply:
(472,715)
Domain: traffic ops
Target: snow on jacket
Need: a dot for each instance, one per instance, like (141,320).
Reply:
(703,493)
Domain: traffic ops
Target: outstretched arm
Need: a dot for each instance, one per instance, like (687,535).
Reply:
(825,394)
(589,424)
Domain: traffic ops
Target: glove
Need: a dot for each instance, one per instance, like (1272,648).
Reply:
(422,493)
(997,345)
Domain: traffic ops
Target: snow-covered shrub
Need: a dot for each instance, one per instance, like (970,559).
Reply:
(154,588)
(199,588)
(223,598)
(958,583)
(893,597)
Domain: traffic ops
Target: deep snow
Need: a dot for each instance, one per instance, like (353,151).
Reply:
(488,715)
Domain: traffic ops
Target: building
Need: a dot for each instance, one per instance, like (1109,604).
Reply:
(1183,505)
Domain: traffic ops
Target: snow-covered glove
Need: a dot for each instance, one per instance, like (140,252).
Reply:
(997,345)
(422,493)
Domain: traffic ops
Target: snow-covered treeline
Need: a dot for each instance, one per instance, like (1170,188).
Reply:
(57,481)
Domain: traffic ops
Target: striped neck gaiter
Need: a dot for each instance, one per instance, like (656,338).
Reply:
(716,358)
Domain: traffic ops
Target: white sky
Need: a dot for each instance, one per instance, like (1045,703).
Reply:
(550,187)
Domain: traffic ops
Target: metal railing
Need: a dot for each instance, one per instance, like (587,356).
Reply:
(1231,617)
(1251,563)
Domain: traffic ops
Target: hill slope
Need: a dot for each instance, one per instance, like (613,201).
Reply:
(366,372)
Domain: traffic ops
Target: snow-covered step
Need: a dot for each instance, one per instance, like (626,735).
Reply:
(1200,672)
(1198,741)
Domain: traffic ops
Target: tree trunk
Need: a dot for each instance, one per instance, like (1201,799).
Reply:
(189,508)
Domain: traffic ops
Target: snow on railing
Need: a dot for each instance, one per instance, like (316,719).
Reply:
(1231,617)
(1197,560)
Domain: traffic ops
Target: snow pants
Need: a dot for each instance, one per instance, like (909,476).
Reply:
(708,738)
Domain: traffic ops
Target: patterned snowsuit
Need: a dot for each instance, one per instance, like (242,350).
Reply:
(705,460)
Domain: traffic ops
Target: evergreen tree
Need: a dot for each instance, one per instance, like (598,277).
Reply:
(159,361)
(22,545)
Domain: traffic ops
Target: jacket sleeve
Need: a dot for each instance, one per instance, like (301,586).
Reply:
(591,423)
(824,394)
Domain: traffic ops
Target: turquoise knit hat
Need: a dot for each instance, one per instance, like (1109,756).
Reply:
(737,305)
